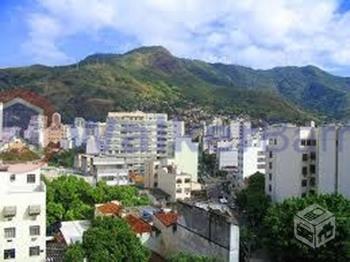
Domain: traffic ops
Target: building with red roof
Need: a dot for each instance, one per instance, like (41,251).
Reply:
(167,218)
(110,209)
(138,225)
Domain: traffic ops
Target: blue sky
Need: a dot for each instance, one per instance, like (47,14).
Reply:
(256,33)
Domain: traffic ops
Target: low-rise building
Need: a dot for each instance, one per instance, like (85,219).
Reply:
(198,231)
(228,160)
(175,183)
(110,209)
(251,155)
(73,231)
(110,169)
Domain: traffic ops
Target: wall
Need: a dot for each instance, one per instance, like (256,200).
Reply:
(22,197)
(326,159)
(186,157)
(343,180)
(199,232)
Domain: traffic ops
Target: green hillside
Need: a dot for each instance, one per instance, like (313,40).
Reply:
(152,79)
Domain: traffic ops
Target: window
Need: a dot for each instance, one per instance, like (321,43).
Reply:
(313,142)
(12,178)
(34,251)
(303,142)
(275,141)
(312,181)
(312,169)
(270,154)
(270,188)
(304,183)
(10,232)
(313,155)
(187,180)
(31,178)
(305,157)
(270,176)
(34,230)
(270,165)
(304,170)
(9,253)
(179,190)
(178,181)
(308,142)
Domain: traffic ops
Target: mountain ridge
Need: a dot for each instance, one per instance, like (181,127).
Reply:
(152,79)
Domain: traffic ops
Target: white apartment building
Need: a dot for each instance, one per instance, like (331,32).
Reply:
(228,160)
(240,130)
(22,213)
(79,131)
(333,163)
(110,169)
(35,133)
(292,162)
(175,183)
(251,156)
(178,129)
(93,146)
(138,136)
(8,133)
(185,158)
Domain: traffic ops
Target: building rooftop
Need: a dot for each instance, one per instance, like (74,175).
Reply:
(138,225)
(72,231)
(167,218)
(110,208)
(22,167)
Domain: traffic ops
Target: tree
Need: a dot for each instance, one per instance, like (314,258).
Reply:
(253,200)
(111,239)
(279,230)
(64,158)
(54,212)
(74,253)
(253,204)
(208,163)
(71,198)
(184,257)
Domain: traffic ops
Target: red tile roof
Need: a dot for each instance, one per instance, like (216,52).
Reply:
(110,208)
(138,225)
(167,218)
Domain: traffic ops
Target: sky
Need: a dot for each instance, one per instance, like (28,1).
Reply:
(257,33)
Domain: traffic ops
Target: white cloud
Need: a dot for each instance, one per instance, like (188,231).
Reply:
(257,33)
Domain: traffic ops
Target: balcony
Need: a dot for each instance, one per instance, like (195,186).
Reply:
(9,211)
(34,210)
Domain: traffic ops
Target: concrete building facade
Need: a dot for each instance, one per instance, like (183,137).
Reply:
(138,136)
(307,160)
(22,213)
